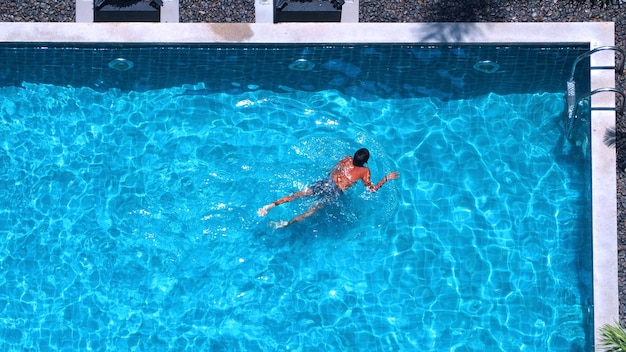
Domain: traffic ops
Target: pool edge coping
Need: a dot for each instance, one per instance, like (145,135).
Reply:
(604,183)
(499,32)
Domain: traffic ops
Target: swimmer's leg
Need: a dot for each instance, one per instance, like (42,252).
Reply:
(262,211)
(300,217)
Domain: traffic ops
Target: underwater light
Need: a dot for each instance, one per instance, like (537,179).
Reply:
(486,66)
(121,64)
(302,65)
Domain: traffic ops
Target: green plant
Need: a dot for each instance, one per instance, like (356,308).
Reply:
(613,338)
(610,137)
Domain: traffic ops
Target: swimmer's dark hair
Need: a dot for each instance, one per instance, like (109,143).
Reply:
(361,157)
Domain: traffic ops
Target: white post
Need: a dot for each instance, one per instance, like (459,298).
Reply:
(350,12)
(264,11)
(170,11)
(84,11)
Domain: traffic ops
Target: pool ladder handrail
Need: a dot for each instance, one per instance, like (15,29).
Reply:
(618,68)
(573,101)
(588,95)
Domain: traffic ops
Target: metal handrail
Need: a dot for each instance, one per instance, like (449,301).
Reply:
(585,96)
(600,90)
(619,68)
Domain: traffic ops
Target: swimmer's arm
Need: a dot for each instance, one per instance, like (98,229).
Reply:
(373,188)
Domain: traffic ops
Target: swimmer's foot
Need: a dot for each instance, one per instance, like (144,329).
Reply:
(263,211)
(279,224)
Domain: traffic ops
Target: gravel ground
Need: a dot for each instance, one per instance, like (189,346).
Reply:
(406,11)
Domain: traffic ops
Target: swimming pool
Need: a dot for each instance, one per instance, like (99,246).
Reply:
(131,202)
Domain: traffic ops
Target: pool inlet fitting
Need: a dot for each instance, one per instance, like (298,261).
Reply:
(121,64)
(486,66)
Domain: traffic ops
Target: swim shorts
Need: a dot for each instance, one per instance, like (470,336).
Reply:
(326,189)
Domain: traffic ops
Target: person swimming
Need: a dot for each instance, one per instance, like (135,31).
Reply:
(347,172)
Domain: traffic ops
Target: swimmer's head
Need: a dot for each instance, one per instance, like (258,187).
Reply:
(360,157)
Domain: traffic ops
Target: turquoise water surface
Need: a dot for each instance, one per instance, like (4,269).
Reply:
(129,222)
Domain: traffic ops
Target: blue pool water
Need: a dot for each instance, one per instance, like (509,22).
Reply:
(129,222)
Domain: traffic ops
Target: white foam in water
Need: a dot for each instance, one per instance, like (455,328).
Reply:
(146,235)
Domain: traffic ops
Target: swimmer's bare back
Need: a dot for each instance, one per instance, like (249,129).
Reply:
(346,174)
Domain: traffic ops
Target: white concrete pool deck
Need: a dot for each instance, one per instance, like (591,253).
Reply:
(597,34)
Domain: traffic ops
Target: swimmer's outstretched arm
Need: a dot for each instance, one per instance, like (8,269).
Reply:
(373,188)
